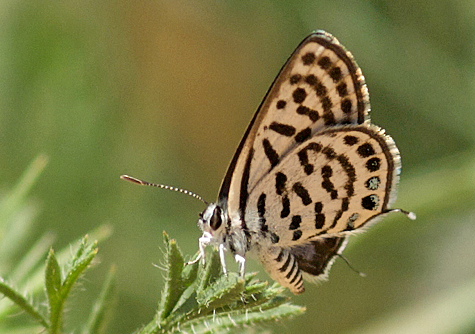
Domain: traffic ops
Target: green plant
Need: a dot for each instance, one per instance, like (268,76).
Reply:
(31,275)
(195,298)
(201,300)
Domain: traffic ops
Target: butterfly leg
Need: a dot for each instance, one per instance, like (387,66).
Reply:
(241,260)
(204,241)
(222,257)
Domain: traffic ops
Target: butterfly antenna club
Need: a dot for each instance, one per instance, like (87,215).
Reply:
(163,186)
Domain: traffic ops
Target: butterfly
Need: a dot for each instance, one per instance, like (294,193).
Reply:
(310,171)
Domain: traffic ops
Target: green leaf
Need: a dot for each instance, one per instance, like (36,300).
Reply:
(190,273)
(22,302)
(224,291)
(267,297)
(99,234)
(225,322)
(52,277)
(84,256)
(255,287)
(57,290)
(174,285)
(185,305)
(101,311)
(187,301)
(210,273)
(53,292)
(212,302)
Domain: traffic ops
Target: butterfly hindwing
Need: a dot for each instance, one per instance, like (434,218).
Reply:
(316,257)
(334,183)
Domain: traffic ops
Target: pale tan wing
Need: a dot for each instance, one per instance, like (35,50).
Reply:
(333,184)
(320,86)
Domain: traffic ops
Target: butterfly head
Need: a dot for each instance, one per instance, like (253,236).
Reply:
(212,221)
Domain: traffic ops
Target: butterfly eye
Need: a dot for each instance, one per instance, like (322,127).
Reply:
(215,220)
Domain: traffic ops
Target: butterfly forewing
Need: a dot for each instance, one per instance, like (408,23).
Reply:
(319,86)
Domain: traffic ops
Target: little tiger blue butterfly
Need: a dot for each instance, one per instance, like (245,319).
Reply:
(310,170)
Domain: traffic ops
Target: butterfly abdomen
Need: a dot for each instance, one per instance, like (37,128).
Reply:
(283,267)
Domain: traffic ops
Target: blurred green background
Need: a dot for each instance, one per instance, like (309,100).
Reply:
(163,90)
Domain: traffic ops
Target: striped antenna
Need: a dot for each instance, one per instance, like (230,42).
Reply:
(162,186)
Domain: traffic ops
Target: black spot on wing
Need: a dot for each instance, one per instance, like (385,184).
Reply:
(319,216)
(303,135)
(281,104)
(283,129)
(302,192)
(274,238)
(303,156)
(311,79)
(370,202)
(280,183)
(325,63)
(261,205)
(345,204)
(294,79)
(329,153)
(261,210)
(373,183)
(270,153)
(335,73)
(327,184)
(299,95)
(285,212)
(350,140)
(308,58)
(350,172)
(365,150)
(342,89)
(319,221)
(318,207)
(373,164)
(346,106)
(312,114)
(295,224)
(320,89)
(297,235)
